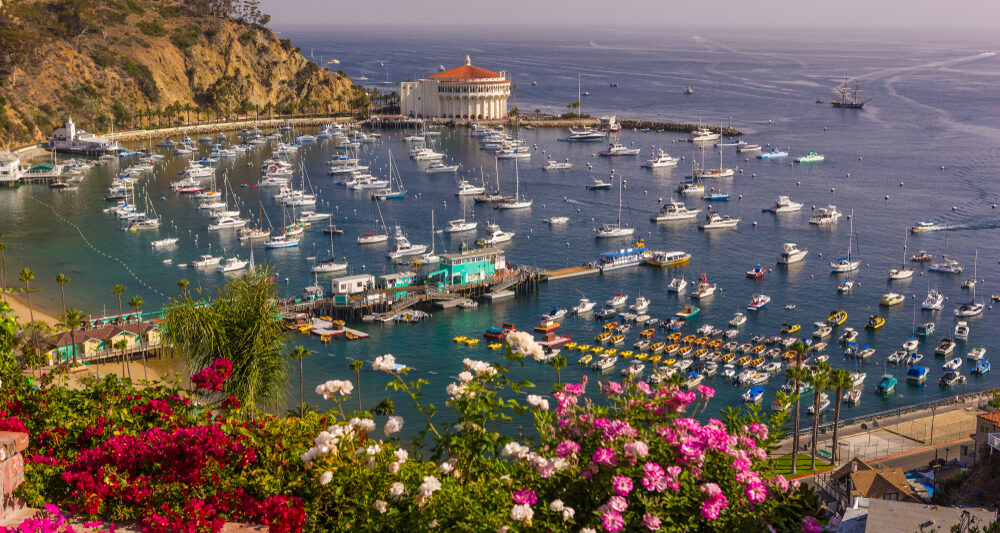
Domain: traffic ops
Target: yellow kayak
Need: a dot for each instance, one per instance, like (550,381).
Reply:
(460,338)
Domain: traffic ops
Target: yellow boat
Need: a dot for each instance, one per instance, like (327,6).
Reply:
(328,319)
(350,336)
(610,351)
(460,338)
(716,344)
(618,339)
(683,350)
(626,353)
(494,346)
(875,322)
(742,361)
(656,347)
(583,347)
(788,356)
(699,353)
(655,358)
(670,349)
(603,337)
(471,342)
(689,339)
(836,318)
(759,349)
(305,328)
(702,341)
(757,363)
(570,345)
(596,349)
(788,329)
(586,359)
(641,356)
(610,326)
(670,362)
(728,357)
(647,333)
(674,337)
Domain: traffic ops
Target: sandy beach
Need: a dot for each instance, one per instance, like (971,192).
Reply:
(20,306)
(169,369)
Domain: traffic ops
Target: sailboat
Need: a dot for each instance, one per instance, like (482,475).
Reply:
(973,308)
(518,201)
(395,190)
(720,172)
(903,272)
(847,263)
(331,264)
(495,196)
(946,264)
(375,237)
(251,233)
(285,239)
(460,225)
(616,229)
(429,258)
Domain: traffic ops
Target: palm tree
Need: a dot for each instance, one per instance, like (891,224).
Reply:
(117,290)
(62,280)
(136,303)
(72,319)
(820,379)
(356,366)
(300,353)
(27,277)
(796,374)
(558,363)
(121,345)
(840,379)
(183,284)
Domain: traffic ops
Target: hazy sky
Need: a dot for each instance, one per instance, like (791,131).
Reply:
(847,13)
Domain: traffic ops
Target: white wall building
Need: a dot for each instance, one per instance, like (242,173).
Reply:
(466,91)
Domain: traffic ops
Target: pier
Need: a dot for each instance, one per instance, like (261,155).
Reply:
(571,272)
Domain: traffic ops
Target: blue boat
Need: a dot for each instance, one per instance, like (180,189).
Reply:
(688,311)
(717,197)
(775,153)
(754,395)
(916,374)
(887,386)
(982,367)
(731,142)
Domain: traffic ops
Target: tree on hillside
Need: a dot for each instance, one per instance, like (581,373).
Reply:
(72,320)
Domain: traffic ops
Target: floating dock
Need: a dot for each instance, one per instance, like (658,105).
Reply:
(571,272)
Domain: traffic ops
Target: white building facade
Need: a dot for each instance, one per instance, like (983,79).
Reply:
(466,91)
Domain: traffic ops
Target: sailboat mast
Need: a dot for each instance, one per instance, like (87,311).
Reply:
(517,182)
(975,275)
(620,183)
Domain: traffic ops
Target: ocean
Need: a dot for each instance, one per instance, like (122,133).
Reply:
(924,148)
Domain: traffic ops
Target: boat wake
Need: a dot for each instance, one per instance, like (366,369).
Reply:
(965,227)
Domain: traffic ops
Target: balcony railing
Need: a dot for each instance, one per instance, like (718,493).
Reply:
(993,440)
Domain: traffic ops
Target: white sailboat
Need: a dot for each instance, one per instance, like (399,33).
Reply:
(460,225)
(903,272)
(847,263)
(331,264)
(615,230)
(518,201)
(973,308)
(375,237)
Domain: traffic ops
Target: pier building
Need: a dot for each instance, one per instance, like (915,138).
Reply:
(466,91)
(471,266)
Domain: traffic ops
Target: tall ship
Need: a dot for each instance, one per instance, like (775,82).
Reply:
(849,97)
(68,139)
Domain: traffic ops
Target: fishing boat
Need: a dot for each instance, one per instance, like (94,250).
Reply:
(971,308)
(824,403)
(616,149)
(738,320)
(668,258)
(892,299)
(887,385)
(599,185)
(848,263)
(495,235)
(686,312)
(661,160)
(951,378)
(758,302)
(961,330)
(849,98)
(617,229)
(791,253)
(716,196)
(982,367)
(402,246)
(552,164)
(757,272)
(754,394)
(775,153)
(934,301)
(916,374)
(677,284)
(923,226)
(585,306)
(714,220)
(703,289)
(874,322)
(673,211)
(825,215)
(811,157)
(903,272)
(925,329)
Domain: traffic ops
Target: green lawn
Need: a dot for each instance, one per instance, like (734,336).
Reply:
(783,464)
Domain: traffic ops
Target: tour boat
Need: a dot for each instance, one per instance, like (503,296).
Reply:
(552,164)
(784,205)
(623,258)
(811,157)
(826,215)
(925,329)
(961,330)
(495,235)
(661,160)
(934,301)
(916,374)
(923,226)
(585,306)
(892,299)
(758,302)
(775,153)
(668,258)
(674,211)
(703,289)
(757,272)
(677,285)
(982,367)
(951,378)
(875,322)
(232,264)
(714,220)
(790,253)
(754,395)
(945,347)
(887,385)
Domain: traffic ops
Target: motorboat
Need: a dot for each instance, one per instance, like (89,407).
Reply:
(604,364)
(674,210)
(402,246)
(691,187)
(811,157)
(849,335)
(205,261)
(439,167)
(585,134)
(232,264)
(772,368)
(281,240)
(757,272)
(227,222)
(738,320)
(758,302)
(791,253)
(836,318)
(914,358)
(495,235)
(923,226)
(460,225)
(552,164)
(668,258)
(898,356)
(634,370)
(617,148)
(686,312)
(892,299)
(946,265)
(822,332)
(714,220)
(585,306)
(716,196)
(677,284)
(858,378)
(824,403)
(911,344)
(692,380)
(961,330)
(775,153)
(925,329)
(952,364)
(703,289)
(887,385)
(978,352)
(874,322)
(971,308)
(825,215)
(934,301)
(163,243)
(951,378)
(599,185)
(641,304)
(853,396)
(921,256)
(661,160)
(789,329)
(982,367)
(916,374)
(425,154)
(467,189)
(784,205)
(748,148)
(754,394)
(555,314)
(703,134)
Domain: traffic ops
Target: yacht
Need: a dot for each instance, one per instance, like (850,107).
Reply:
(826,215)
(232,264)
(641,304)
(703,289)
(205,261)
(425,154)
(758,302)
(962,330)
(437,167)
(599,185)
(674,211)
(403,247)
(784,205)
(691,187)
(661,160)
(460,225)
(677,285)
(585,306)
(811,157)
(162,243)
(585,134)
(790,253)
(703,134)
(552,164)
(714,220)
(467,189)
(495,235)
(775,153)
(281,240)
(227,222)
(934,301)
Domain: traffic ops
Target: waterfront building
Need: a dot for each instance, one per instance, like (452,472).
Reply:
(470,266)
(68,139)
(349,285)
(10,168)
(466,91)
(396,280)
(100,341)
(987,436)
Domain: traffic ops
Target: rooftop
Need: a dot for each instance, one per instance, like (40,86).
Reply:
(468,71)
(991,417)
(890,516)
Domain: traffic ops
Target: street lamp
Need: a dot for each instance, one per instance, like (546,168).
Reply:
(899,408)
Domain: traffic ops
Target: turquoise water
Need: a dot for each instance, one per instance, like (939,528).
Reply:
(934,105)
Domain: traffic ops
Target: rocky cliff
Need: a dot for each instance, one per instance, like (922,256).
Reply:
(138,63)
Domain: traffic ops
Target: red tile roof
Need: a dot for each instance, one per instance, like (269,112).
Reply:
(991,417)
(467,72)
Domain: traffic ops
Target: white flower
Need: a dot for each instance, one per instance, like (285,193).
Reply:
(537,401)
(524,343)
(465,376)
(454,389)
(401,455)
(397,490)
(479,367)
(385,363)
(362,425)
(429,486)
(556,506)
(433,524)
(325,478)
(393,425)
(588,530)
(373,449)
(521,512)
(515,449)
(381,506)
(394,467)
(345,388)
(334,386)
(567,513)
(447,466)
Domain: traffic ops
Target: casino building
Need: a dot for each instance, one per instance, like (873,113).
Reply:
(466,91)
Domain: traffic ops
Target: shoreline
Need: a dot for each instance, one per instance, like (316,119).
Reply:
(19,304)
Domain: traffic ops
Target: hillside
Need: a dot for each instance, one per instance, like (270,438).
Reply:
(150,62)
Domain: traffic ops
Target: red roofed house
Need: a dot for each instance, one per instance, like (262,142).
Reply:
(987,437)
(466,91)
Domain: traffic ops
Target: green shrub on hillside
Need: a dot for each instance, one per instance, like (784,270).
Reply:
(152,28)
(185,37)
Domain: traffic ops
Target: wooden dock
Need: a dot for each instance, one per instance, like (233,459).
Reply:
(571,272)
